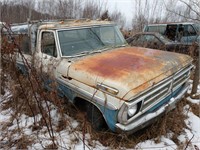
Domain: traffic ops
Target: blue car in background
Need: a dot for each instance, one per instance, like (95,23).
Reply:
(155,40)
(184,32)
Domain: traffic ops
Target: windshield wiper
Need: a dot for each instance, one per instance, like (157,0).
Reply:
(97,36)
(97,51)
(87,53)
(83,53)
(117,46)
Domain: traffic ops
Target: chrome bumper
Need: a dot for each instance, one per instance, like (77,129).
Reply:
(151,117)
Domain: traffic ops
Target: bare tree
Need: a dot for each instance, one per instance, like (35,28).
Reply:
(19,11)
(169,15)
(93,9)
(192,9)
(146,12)
(77,11)
(47,7)
(196,76)
(65,8)
(30,5)
(118,18)
(90,10)
(187,10)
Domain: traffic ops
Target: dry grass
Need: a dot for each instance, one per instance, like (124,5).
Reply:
(23,142)
(51,146)
(195,108)
(167,124)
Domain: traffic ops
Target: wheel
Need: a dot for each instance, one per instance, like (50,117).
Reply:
(95,117)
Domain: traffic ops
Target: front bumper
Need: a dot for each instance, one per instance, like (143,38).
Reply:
(149,118)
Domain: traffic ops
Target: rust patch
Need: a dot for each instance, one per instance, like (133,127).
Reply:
(116,64)
(128,69)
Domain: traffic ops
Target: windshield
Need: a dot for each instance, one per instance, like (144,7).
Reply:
(163,38)
(81,41)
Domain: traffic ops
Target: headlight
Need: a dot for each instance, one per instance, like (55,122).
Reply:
(132,110)
(127,112)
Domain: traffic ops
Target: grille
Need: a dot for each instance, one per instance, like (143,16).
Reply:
(158,93)
(154,97)
(180,78)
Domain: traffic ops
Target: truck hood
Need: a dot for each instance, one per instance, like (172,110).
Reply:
(130,70)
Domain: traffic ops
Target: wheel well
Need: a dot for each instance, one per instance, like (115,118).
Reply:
(83,105)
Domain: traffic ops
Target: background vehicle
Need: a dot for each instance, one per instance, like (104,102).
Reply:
(155,40)
(184,32)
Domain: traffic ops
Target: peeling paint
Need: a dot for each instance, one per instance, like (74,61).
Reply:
(128,69)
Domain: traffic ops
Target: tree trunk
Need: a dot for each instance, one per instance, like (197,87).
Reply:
(196,74)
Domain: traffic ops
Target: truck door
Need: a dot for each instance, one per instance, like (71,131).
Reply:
(48,53)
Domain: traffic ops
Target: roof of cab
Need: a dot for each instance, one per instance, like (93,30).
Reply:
(57,24)
(168,23)
(73,23)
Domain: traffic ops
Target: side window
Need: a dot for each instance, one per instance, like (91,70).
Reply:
(157,28)
(24,43)
(134,40)
(48,45)
(189,31)
(170,32)
(151,38)
(141,40)
(152,42)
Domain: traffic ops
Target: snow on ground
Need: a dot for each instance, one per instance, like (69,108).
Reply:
(193,123)
(74,140)
(165,143)
(66,138)
(191,134)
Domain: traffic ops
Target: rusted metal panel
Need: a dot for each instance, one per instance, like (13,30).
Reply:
(129,69)
(73,23)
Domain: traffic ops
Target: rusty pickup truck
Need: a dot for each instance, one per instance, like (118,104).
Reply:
(123,87)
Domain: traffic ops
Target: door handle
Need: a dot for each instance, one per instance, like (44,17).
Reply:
(65,77)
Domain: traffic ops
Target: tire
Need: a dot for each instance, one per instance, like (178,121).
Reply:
(95,117)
